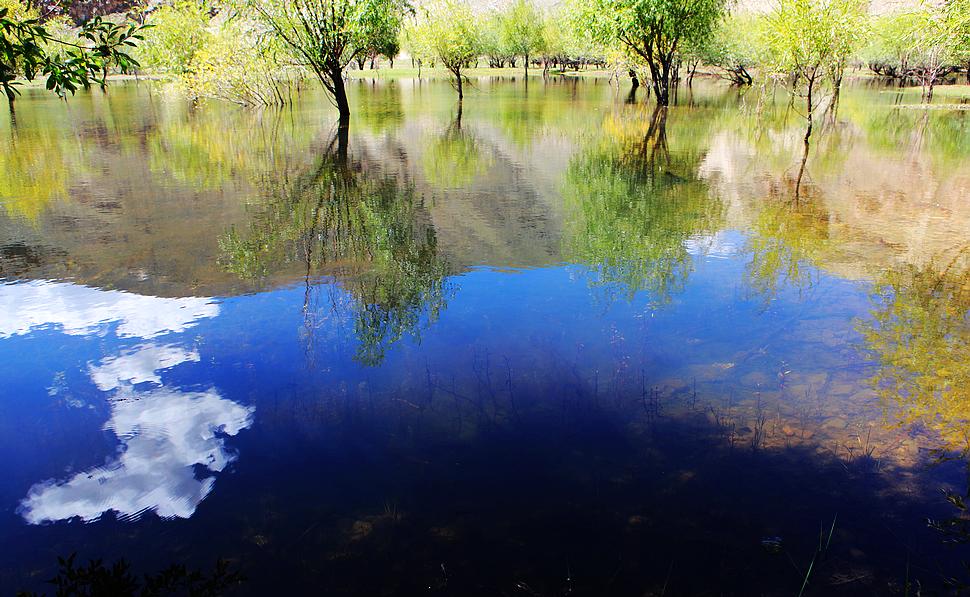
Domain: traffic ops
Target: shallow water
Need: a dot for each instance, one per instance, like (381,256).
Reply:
(555,343)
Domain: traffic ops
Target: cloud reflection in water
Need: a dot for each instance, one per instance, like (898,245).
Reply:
(166,434)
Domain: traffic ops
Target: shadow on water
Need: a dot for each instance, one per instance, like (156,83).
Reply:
(553,488)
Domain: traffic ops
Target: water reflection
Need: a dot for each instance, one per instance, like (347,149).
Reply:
(919,336)
(370,231)
(444,278)
(636,205)
(139,365)
(80,310)
(455,158)
(165,433)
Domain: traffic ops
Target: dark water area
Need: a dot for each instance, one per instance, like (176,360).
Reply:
(555,343)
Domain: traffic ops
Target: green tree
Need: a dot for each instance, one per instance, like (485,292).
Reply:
(454,36)
(652,32)
(733,48)
(494,44)
(888,50)
(178,31)
(936,39)
(325,35)
(810,42)
(28,49)
(522,29)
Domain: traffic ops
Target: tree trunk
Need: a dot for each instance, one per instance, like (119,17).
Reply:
(336,76)
(458,86)
(660,75)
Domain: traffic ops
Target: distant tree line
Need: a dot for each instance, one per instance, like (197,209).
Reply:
(255,52)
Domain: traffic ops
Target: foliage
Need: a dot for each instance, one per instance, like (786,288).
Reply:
(178,31)
(494,45)
(889,48)
(241,67)
(926,43)
(652,32)
(522,30)
(919,337)
(28,48)
(733,47)
(325,35)
(812,40)
(454,36)
(936,39)
(416,42)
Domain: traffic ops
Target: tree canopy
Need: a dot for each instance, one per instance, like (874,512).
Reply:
(652,32)
(325,35)
(29,49)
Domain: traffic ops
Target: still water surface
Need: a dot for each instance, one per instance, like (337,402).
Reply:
(557,343)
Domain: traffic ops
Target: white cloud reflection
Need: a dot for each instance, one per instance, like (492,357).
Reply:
(80,310)
(140,366)
(168,436)
(164,433)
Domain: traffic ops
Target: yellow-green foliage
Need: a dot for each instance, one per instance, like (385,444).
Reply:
(803,36)
(453,33)
(177,32)
(215,58)
(920,338)
(237,67)
(18,10)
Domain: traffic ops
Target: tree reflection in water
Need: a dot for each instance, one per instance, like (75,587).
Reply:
(919,338)
(368,231)
(633,205)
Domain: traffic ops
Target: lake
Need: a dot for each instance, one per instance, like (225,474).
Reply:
(555,342)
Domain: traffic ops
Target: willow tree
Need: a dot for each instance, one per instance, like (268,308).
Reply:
(325,35)
(810,42)
(454,37)
(522,30)
(651,31)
